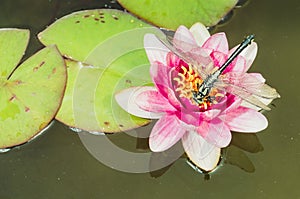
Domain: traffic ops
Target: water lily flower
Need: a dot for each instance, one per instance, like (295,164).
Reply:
(204,128)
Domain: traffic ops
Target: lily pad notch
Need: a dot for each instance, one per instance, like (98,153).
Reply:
(31,93)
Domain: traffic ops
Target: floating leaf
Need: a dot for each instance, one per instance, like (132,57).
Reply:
(172,13)
(110,44)
(30,93)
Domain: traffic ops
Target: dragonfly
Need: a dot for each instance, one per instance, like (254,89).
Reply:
(247,86)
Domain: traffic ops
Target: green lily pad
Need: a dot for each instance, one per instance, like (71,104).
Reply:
(172,13)
(106,54)
(30,93)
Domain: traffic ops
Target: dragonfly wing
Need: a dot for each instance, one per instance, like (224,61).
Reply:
(253,83)
(188,52)
(255,107)
(250,87)
(195,54)
(166,41)
(245,95)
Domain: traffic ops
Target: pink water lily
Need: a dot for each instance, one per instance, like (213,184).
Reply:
(204,128)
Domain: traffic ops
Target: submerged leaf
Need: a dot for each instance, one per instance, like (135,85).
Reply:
(31,93)
(172,13)
(110,44)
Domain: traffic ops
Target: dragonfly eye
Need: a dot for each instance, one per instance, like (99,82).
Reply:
(203,91)
(196,97)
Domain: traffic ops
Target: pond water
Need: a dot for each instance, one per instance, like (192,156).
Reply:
(57,165)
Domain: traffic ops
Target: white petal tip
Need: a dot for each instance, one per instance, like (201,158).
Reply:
(202,153)
(208,163)
(126,99)
(155,49)
(200,33)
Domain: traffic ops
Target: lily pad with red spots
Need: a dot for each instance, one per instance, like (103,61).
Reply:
(105,55)
(172,13)
(31,93)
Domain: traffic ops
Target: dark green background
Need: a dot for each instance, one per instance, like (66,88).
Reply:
(57,165)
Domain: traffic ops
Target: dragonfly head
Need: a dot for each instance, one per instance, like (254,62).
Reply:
(200,96)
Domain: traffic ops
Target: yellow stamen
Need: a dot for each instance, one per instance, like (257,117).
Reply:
(190,69)
(205,105)
(219,95)
(176,79)
(184,70)
(182,76)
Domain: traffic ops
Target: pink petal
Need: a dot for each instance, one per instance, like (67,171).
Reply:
(161,78)
(246,120)
(238,65)
(155,50)
(258,76)
(127,100)
(200,33)
(198,56)
(174,62)
(187,105)
(186,44)
(218,58)
(166,132)
(196,118)
(183,34)
(249,54)
(217,42)
(153,101)
(215,132)
(239,62)
(203,154)
(159,73)
(232,103)
(184,40)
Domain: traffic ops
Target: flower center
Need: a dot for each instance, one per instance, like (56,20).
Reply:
(188,82)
